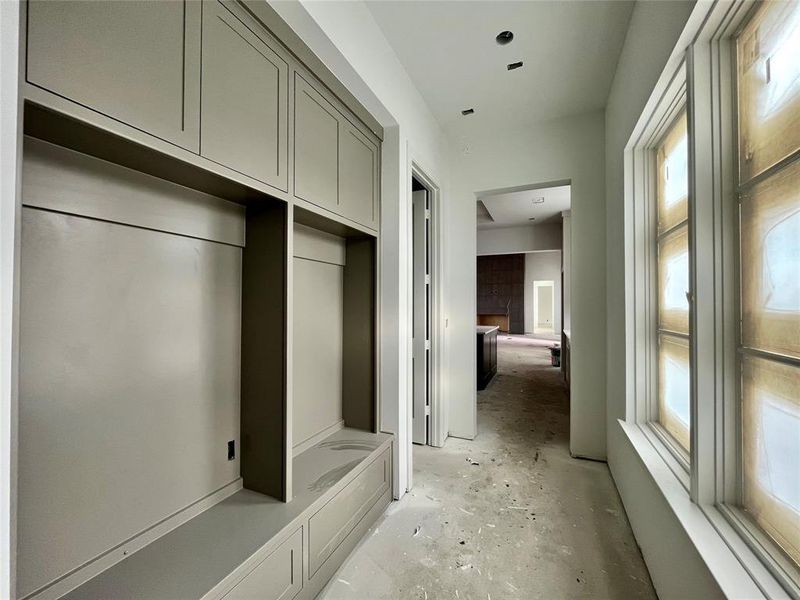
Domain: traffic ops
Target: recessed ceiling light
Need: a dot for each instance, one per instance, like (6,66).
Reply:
(467,111)
(514,65)
(504,37)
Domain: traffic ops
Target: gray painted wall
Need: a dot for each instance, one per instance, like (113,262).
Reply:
(318,334)
(129,362)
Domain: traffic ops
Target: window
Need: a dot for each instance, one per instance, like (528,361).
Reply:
(712,187)
(768,82)
(672,250)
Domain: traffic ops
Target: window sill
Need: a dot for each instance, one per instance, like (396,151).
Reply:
(738,572)
(658,438)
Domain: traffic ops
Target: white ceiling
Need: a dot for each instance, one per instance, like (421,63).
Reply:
(516,208)
(448,48)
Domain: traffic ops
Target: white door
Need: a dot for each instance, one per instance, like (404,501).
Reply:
(421,342)
(543,307)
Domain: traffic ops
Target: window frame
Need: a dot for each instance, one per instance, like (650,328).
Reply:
(711,476)
(729,495)
(646,296)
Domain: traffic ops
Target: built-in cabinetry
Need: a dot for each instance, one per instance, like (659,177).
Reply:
(245,95)
(316,147)
(358,175)
(198,413)
(208,77)
(135,62)
(336,165)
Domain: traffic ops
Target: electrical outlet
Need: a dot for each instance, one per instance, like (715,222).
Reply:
(232,450)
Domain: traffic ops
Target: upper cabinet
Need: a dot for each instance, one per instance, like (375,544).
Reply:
(359,175)
(135,62)
(316,146)
(209,77)
(336,166)
(245,97)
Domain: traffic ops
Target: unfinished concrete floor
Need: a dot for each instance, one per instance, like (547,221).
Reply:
(507,515)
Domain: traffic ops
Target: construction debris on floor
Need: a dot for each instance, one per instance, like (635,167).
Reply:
(507,515)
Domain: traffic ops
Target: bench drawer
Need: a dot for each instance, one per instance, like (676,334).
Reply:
(277,577)
(331,524)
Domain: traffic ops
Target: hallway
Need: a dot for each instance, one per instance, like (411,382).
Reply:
(508,515)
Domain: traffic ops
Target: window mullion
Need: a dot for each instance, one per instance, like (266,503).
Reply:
(703,317)
(648,287)
(650,257)
(727,429)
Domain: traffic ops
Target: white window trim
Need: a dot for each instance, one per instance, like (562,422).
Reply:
(709,531)
(714,59)
(711,487)
(644,212)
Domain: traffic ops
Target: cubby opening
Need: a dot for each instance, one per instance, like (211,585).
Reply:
(333,320)
(152,335)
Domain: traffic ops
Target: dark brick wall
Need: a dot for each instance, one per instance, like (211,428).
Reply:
(501,286)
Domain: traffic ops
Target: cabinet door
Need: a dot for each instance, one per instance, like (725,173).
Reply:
(358,176)
(245,97)
(278,577)
(332,523)
(136,62)
(316,147)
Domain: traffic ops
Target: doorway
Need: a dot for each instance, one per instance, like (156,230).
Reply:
(544,307)
(421,284)
(426,419)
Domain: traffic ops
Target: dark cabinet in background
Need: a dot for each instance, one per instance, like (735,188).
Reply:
(487,355)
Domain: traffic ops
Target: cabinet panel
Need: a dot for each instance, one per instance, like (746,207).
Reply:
(316,147)
(245,98)
(329,527)
(136,62)
(278,577)
(358,170)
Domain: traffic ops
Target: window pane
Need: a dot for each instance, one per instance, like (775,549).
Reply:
(771,449)
(769,87)
(673,387)
(673,281)
(770,246)
(672,158)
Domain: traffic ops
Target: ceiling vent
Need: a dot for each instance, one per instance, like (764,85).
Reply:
(468,111)
(504,37)
(514,65)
